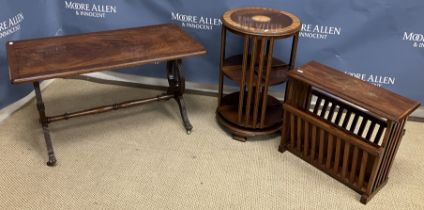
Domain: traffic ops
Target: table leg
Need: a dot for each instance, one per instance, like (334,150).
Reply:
(176,82)
(45,124)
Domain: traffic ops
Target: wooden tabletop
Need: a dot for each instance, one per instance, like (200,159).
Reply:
(46,58)
(377,100)
(261,21)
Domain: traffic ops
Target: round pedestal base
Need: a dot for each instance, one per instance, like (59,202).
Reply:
(242,133)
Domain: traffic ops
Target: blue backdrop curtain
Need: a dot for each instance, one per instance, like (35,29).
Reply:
(379,41)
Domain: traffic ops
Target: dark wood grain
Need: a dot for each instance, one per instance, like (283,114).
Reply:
(232,68)
(40,59)
(362,130)
(377,100)
(229,111)
(344,150)
(255,69)
(261,21)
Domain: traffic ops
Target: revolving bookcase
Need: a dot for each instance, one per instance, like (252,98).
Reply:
(251,111)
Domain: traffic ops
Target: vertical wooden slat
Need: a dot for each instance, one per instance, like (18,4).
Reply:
(339,115)
(345,159)
(317,104)
(299,134)
(395,146)
(308,101)
(314,141)
(306,139)
(221,64)
(364,163)
(258,52)
(354,123)
(354,163)
(269,44)
(331,112)
(285,130)
(291,95)
(337,156)
(362,127)
(250,81)
(374,174)
(259,85)
(321,145)
(243,78)
(370,130)
(379,134)
(346,119)
(223,43)
(324,108)
(293,51)
(292,130)
(392,128)
(311,105)
(270,51)
(329,151)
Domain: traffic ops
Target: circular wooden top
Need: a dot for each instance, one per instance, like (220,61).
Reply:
(261,21)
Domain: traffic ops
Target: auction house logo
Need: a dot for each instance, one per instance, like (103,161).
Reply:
(416,39)
(377,80)
(90,10)
(196,22)
(11,25)
(319,31)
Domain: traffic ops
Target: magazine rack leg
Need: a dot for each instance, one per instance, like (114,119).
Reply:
(45,124)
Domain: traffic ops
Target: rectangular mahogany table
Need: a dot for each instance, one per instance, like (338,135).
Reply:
(67,56)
